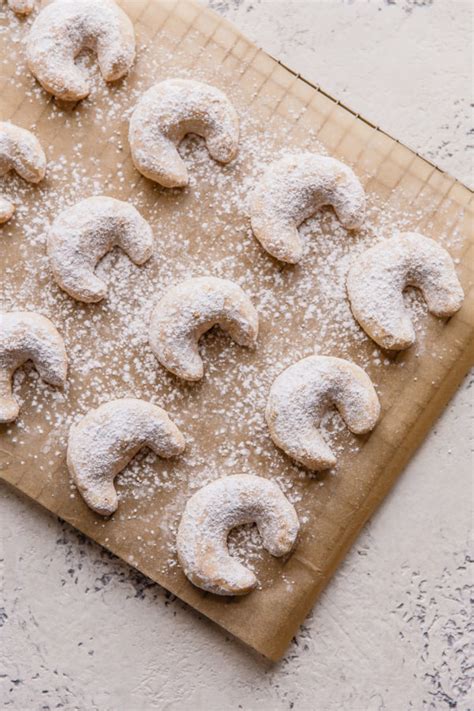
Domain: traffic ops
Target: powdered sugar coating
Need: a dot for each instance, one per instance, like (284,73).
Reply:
(190,309)
(22,7)
(20,151)
(377,278)
(300,396)
(210,515)
(7,209)
(81,235)
(166,113)
(106,440)
(66,27)
(28,336)
(292,189)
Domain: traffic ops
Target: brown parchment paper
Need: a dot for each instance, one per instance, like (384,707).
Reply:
(203,230)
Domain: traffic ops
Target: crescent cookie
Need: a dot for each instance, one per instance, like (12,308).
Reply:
(28,336)
(301,395)
(166,113)
(107,439)
(20,151)
(66,27)
(81,235)
(21,7)
(294,188)
(378,277)
(213,512)
(190,309)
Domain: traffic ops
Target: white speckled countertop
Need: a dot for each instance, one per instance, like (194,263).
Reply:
(80,630)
